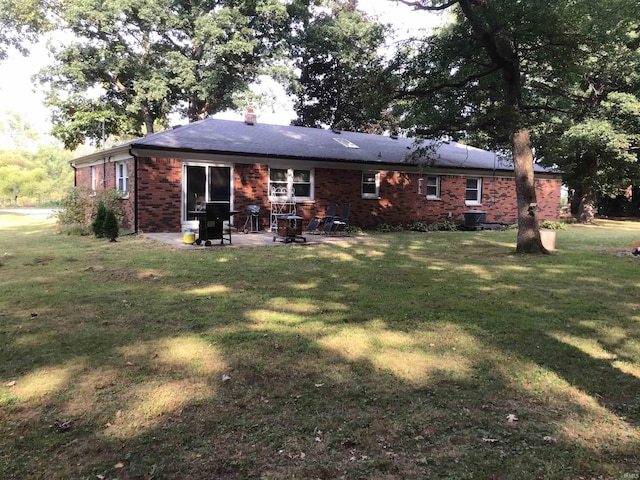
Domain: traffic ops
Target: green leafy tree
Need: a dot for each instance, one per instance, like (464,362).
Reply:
(342,81)
(38,176)
(504,70)
(599,153)
(136,61)
(21,22)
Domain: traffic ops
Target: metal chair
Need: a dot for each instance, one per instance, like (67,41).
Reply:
(317,224)
(338,224)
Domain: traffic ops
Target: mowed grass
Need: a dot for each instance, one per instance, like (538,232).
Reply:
(414,355)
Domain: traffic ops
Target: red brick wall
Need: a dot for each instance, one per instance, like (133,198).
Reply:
(401,204)
(106,179)
(160,194)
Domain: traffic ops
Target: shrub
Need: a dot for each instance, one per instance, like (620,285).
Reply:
(80,205)
(353,230)
(549,225)
(388,228)
(418,227)
(97,226)
(110,226)
(112,200)
(73,209)
(446,226)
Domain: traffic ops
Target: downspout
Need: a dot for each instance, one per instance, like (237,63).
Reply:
(135,191)
(75,174)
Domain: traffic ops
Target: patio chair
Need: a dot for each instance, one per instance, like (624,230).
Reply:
(338,224)
(317,223)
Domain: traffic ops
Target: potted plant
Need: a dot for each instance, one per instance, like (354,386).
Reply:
(548,231)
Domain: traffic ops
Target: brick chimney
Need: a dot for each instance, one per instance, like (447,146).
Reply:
(250,118)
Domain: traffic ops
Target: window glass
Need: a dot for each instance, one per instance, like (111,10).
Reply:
(302,183)
(94,178)
(278,182)
(122,179)
(370,184)
(287,182)
(473,191)
(433,187)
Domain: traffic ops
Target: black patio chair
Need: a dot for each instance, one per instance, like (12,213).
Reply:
(338,224)
(317,224)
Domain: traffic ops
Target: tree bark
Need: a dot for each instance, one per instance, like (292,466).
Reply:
(528,230)
(502,52)
(587,208)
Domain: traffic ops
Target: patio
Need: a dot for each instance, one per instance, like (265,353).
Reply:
(238,240)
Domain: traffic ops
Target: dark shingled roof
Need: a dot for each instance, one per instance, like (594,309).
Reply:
(276,141)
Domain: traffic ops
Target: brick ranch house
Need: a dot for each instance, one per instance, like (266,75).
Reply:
(164,175)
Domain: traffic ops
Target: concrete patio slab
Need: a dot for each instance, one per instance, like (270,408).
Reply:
(255,240)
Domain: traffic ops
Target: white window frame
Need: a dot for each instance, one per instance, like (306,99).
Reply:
(436,185)
(478,200)
(122,177)
(94,178)
(375,194)
(290,185)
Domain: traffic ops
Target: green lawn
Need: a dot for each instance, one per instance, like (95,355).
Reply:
(421,355)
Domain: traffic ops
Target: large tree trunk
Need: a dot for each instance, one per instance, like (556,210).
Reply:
(528,231)
(588,197)
(587,208)
(148,125)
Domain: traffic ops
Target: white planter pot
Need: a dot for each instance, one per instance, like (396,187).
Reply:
(548,238)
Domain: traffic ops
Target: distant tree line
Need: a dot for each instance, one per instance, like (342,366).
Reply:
(30,176)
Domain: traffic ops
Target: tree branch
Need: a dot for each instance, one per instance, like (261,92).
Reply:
(443,86)
(418,5)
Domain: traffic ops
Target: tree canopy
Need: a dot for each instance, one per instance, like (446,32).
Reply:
(21,21)
(341,81)
(503,72)
(32,176)
(136,61)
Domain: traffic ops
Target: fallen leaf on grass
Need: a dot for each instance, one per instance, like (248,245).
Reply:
(10,384)
(119,465)
(318,385)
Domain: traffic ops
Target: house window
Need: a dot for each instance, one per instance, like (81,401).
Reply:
(433,188)
(122,177)
(473,194)
(290,182)
(370,185)
(94,178)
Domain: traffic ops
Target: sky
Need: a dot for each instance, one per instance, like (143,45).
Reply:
(18,94)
